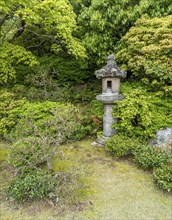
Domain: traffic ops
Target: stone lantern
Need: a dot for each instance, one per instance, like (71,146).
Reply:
(111,75)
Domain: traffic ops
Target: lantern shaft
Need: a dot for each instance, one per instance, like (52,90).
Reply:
(108,121)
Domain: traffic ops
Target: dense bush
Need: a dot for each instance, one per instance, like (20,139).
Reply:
(120,145)
(27,156)
(66,70)
(146,52)
(16,116)
(91,118)
(44,83)
(29,152)
(150,157)
(19,118)
(47,117)
(31,184)
(146,157)
(142,113)
(163,177)
(66,93)
(8,111)
(104,22)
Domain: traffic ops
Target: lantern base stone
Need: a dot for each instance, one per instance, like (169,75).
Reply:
(100,142)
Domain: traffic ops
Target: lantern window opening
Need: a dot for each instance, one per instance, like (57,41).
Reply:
(109,84)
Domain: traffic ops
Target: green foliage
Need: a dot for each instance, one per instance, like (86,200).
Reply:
(43,27)
(120,145)
(30,185)
(91,119)
(10,57)
(141,113)
(66,70)
(46,84)
(163,177)
(96,108)
(146,51)
(159,8)
(150,157)
(56,19)
(47,118)
(104,22)
(8,113)
(29,152)
(20,118)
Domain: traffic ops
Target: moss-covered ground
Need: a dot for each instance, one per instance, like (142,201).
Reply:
(119,190)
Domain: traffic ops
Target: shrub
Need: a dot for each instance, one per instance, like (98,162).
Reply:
(163,177)
(120,145)
(146,51)
(43,85)
(30,185)
(9,109)
(149,157)
(19,118)
(141,114)
(67,69)
(47,118)
(29,152)
(91,118)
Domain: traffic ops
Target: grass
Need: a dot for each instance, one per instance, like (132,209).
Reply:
(119,190)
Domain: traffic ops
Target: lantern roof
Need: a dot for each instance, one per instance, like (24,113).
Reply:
(110,69)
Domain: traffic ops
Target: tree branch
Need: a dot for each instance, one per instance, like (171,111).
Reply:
(3,19)
(20,30)
(50,168)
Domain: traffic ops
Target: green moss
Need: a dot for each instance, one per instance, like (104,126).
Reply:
(119,190)
(69,159)
(3,153)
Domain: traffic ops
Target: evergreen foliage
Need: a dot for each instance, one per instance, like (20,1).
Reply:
(142,113)
(104,22)
(149,157)
(32,184)
(29,152)
(48,118)
(146,52)
(163,176)
(120,145)
(9,107)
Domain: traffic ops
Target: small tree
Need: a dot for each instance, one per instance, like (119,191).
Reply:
(40,133)
(50,21)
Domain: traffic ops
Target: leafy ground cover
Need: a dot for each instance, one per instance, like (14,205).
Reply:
(118,189)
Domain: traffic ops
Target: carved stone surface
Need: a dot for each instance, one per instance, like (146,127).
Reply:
(106,98)
(110,69)
(108,121)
